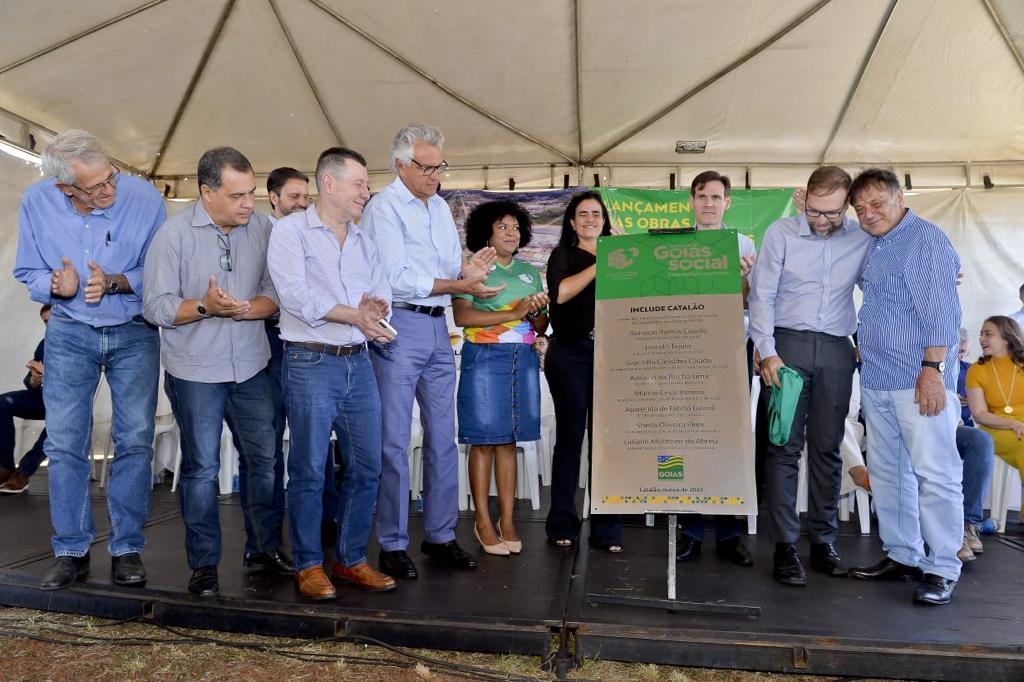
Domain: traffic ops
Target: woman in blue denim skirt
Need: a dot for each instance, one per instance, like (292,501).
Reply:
(499,387)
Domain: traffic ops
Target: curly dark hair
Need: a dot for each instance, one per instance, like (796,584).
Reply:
(568,237)
(480,223)
(1011,333)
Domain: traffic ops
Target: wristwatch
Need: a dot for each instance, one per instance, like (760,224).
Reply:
(201,309)
(940,366)
(111,287)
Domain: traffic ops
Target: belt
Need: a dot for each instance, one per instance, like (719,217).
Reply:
(327,348)
(433,311)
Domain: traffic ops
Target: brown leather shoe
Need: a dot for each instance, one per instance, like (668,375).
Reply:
(314,584)
(363,575)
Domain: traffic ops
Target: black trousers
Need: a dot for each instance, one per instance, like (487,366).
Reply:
(826,364)
(569,368)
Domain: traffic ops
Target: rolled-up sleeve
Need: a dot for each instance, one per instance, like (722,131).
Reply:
(382,222)
(931,278)
(764,287)
(286,262)
(161,283)
(29,266)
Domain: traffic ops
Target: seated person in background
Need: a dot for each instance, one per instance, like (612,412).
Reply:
(1018,316)
(540,345)
(24,404)
(976,449)
(996,402)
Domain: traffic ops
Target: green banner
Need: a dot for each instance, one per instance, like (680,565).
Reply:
(638,210)
(638,265)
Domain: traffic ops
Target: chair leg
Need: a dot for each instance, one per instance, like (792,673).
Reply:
(751,524)
(108,451)
(863,501)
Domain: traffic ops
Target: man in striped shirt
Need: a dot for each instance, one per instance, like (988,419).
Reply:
(909,339)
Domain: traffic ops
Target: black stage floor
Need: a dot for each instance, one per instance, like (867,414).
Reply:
(546,595)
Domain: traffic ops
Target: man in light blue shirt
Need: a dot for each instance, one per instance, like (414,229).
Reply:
(801,316)
(422,259)
(334,297)
(83,237)
(909,341)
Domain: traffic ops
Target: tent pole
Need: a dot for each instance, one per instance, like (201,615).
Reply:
(718,75)
(437,83)
(187,97)
(579,78)
(81,34)
(884,24)
(305,72)
(1002,31)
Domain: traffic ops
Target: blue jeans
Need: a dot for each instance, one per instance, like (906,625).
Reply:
(275,368)
(326,392)
(916,477)
(24,404)
(977,451)
(200,410)
(129,355)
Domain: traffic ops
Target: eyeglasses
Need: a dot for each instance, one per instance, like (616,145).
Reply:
(831,215)
(225,259)
(431,170)
(111,180)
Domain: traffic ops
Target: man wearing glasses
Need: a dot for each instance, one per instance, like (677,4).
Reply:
(83,237)
(801,316)
(207,286)
(422,258)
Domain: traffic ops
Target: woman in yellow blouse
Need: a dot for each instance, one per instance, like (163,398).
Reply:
(995,388)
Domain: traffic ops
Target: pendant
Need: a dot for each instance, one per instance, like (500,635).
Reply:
(1008,410)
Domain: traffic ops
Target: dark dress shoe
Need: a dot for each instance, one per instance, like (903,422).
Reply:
(734,551)
(689,548)
(788,570)
(934,590)
(65,570)
(274,561)
(449,554)
(203,582)
(128,570)
(887,569)
(398,564)
(825,559)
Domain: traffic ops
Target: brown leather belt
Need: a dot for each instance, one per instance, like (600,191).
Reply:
(433,311)
(326,348)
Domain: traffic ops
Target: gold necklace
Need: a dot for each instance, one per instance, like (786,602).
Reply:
(1013,378)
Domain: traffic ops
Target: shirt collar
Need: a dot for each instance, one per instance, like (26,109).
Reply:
(200,218)
(898,231)
(313,221)
(406,196)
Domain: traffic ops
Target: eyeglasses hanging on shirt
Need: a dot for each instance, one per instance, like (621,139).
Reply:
(225,243)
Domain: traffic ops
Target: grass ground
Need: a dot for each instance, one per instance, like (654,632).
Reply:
(36,645)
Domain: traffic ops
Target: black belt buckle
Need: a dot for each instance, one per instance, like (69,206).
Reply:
(433,311)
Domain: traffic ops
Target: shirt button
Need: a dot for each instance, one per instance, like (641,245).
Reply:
(87,252)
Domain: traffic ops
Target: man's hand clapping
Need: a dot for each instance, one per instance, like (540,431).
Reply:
(475,269)
(367,318)
(64,282)
(221,304)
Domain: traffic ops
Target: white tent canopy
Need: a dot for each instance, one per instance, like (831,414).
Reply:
(533,89)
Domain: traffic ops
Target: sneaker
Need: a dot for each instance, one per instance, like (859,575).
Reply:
(972,539)
(965,554)
(17,483)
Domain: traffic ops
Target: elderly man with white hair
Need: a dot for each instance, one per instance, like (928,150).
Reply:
(422,258)
(83,236)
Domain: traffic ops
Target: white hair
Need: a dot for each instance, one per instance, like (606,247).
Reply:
(71,145)
(401,148)
(963,334)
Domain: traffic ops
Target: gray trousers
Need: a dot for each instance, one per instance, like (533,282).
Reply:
(826,364)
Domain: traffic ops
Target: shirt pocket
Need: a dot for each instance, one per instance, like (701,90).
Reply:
(120,256)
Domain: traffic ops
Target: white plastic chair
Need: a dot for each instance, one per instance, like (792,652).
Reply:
(1002,489)
(25,435)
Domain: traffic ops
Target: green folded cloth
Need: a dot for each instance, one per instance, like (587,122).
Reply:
(782,405)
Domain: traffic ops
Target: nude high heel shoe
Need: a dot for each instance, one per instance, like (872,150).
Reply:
(514,546)
(500,549)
